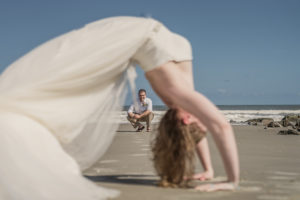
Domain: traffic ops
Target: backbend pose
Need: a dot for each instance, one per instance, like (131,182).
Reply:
(57,105)
(178,136)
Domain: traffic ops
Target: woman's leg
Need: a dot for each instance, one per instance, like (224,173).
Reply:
(202,147)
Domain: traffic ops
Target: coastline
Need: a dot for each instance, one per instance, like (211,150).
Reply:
(270,167)
(235,114)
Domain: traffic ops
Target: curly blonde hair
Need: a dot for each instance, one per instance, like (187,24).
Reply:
(174,150)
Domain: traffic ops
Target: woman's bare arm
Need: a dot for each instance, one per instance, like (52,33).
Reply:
(202,147)
(204,157)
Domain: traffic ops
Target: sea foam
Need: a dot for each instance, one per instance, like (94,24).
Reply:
(232,116)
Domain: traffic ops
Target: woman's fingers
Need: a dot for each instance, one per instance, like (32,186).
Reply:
(203,176)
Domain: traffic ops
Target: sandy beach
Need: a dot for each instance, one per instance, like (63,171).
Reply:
(270,167)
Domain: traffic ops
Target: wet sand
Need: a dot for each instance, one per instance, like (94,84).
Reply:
(270,167)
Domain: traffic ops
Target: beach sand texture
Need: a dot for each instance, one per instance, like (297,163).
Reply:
(270,167)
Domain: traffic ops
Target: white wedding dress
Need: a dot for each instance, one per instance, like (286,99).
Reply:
(58,104)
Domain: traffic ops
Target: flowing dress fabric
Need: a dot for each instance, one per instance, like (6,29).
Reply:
(59,102)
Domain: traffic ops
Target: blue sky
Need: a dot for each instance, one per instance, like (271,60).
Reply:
(245,52)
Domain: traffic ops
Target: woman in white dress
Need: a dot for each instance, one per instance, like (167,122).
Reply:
(57,105)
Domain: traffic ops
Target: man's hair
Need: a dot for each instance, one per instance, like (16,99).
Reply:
(173,150)
(142,90)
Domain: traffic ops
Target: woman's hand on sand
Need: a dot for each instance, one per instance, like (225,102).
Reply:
(212,187)
(207,175)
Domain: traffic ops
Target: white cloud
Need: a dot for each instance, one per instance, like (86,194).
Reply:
(222,91)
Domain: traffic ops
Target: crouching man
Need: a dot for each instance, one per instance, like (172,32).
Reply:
(142,112)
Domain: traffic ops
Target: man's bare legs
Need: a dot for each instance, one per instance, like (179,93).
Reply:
(134,122)
(148,120)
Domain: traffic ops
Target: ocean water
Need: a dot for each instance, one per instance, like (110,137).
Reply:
(235,114)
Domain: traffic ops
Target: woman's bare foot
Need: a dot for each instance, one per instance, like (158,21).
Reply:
(229,186)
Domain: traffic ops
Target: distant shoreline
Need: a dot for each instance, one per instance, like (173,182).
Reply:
(235,114)
(239,107)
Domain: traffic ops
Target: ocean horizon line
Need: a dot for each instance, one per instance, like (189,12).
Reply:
(240,107)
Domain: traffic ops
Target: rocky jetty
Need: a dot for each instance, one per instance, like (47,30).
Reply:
(260,121)
(290,122)
(289,132)
(274,125)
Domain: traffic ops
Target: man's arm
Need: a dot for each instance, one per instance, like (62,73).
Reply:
(130,111)
(147,112)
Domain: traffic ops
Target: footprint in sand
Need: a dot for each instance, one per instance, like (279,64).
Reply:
(282,185)
(282,178)
(279,192)
(293,186)
(138,142)
(106,170)
(108,161)
(285,173)
(272,197)
(249,189)
(139,154)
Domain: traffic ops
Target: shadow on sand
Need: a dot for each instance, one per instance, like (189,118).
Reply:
(149,180)
(123,131)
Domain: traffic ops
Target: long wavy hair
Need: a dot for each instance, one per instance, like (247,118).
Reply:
(173,150)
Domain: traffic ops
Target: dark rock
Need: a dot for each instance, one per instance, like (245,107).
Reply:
(290,120)
(298,123)
(287,123)
(252,123)
(291,117)
(265,122)
(288,132)
(260,121)
(274,124)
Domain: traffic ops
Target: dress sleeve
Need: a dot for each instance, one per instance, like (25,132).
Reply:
(161,47)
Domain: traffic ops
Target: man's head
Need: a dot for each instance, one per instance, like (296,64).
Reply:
(142,95)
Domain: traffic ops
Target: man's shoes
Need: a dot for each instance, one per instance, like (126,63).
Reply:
(140,129)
